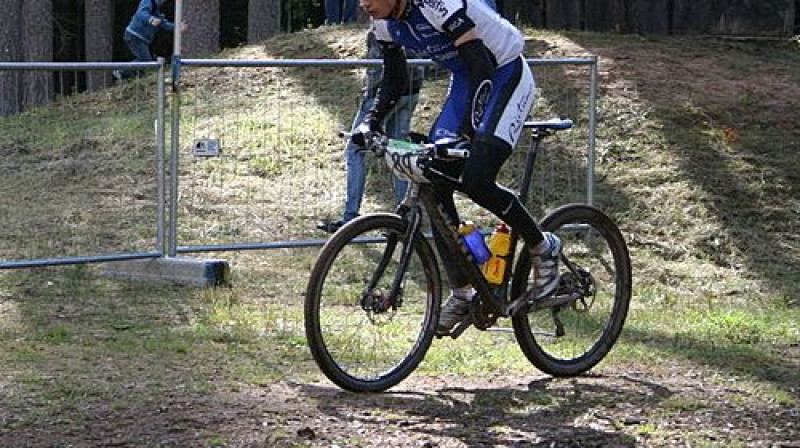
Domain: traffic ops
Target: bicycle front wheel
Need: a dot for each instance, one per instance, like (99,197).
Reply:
(571,338)
(364,338)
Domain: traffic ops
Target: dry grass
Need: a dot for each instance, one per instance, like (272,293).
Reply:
(697,161)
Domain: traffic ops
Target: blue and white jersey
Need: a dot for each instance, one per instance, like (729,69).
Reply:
(428,27)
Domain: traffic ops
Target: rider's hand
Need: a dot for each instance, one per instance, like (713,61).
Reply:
(367,133)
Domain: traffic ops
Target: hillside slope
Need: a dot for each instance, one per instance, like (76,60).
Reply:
(698,160)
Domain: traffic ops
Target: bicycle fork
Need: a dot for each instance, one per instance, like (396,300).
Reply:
(394,298)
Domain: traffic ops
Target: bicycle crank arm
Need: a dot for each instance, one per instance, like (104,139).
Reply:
(555,301)
(550,302)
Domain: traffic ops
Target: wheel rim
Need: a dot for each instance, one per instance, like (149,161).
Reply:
(364,345)
(589,326)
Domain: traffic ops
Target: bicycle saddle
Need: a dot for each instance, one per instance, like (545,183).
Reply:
(553,123)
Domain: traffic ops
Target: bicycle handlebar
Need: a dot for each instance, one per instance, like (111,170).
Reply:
(381,143)
(410,161)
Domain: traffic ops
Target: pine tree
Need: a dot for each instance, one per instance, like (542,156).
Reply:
(202,36)
(98,32)
(263,19)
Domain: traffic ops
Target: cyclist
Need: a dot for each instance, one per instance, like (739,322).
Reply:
(491,92)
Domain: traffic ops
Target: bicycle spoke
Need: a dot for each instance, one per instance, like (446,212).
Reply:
(363,337)
(572,335)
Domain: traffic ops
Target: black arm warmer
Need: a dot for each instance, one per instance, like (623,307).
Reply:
(481,68)
(394,83)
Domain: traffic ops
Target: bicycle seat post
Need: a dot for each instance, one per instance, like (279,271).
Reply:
(530,161)
(539,130)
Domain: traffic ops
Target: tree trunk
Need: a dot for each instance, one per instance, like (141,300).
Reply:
(764,17)
(37,44)
(563,14)
(263,20)
(202,36)
(10,51)
(98,40)
(653,16)
(523,12)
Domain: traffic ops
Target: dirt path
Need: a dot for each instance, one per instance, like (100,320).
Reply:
(637,408)
(678,406)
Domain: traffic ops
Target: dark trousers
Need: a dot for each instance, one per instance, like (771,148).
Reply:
(141,52)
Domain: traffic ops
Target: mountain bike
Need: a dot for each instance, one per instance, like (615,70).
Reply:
(373,297)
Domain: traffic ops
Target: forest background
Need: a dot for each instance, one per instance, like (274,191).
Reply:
(92,30)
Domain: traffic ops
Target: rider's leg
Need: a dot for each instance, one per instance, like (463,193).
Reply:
(457,307)
(447,126)
(501,126)
(499,131)
(479,183)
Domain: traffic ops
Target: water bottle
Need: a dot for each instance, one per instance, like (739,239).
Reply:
(473,238)
(499,245)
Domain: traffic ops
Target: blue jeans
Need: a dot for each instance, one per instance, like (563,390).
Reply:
(340,11)
(141,52)
(397,125)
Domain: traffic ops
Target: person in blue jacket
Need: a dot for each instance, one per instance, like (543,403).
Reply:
(141,31)
(397,125)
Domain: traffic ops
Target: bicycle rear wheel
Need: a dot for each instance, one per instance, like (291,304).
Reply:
(571,338)
(359,342)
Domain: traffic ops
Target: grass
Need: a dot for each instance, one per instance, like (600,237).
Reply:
(701,178)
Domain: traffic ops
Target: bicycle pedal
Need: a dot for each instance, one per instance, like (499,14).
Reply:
(457,330)
(460,328)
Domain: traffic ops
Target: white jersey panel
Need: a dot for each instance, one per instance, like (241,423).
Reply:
(381,30)
(509,127)
(499,36)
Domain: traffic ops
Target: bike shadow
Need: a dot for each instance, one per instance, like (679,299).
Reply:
(591,410)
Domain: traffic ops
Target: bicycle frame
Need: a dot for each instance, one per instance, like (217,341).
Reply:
(586,311)
(421,196)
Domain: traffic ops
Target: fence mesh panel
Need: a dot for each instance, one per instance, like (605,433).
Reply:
(71,179)
(282,167)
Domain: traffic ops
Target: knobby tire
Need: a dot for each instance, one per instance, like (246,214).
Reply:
(357,350)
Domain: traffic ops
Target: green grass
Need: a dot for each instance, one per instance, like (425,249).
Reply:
(702,182)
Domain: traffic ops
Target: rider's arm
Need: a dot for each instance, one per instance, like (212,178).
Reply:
(393,85)
(481,67)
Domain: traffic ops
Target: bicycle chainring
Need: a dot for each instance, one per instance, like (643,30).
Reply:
(580,282)
(482,317)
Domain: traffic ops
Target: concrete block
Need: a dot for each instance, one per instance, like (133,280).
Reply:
(178,270)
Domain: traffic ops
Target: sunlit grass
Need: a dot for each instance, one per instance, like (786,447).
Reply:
(702,188)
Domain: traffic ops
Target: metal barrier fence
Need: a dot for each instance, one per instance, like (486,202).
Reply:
(254,150)
(280,166)
(71,186)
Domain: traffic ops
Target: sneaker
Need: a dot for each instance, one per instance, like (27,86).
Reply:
(545,266)
(331,226)
(454,311)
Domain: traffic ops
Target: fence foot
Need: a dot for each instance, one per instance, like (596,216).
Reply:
(202,273)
